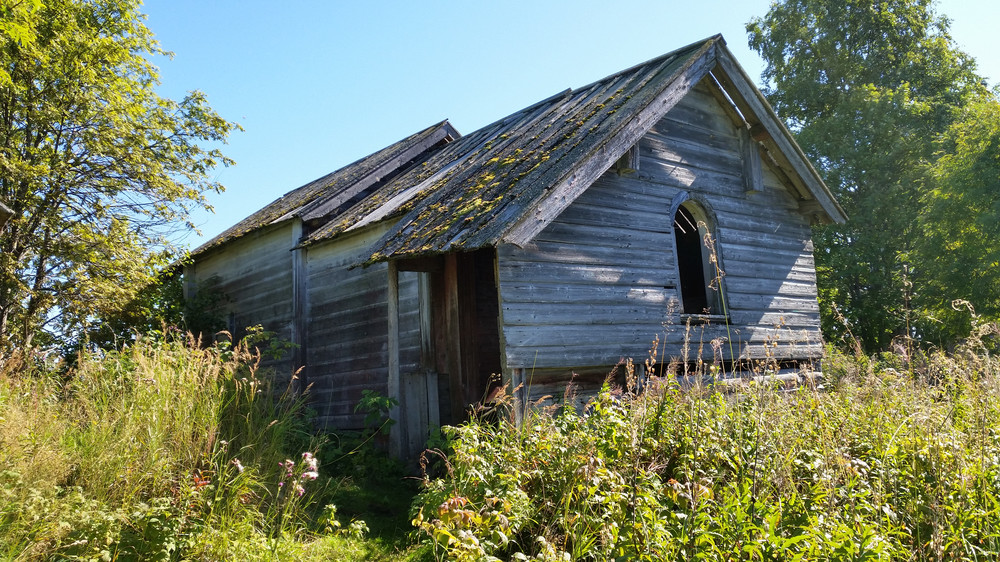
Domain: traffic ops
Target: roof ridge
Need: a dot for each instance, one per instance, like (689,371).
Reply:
(659,59)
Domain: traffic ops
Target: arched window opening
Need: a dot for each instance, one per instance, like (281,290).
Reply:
(699,283)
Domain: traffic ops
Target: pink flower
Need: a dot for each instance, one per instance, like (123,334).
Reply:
(310,475)
(299,489)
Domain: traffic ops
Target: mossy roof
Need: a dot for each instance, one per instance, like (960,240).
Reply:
(470,193)
(323,198)
(504,181)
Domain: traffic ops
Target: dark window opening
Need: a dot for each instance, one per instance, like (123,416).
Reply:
(698,277)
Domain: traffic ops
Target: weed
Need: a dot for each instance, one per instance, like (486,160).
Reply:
(898,460)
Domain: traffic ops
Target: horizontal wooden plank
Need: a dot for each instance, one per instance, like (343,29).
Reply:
(584,274)
(565,314)
(578,253)
(749,217)
(765,270)
(791,320)
(669,173)
(606,357)
(676,126)
(752,301)
(683,152)
(734,253)
(646,220)
(601,237)
(762,240)
(629,192)
(735,284)
(513,292)
(703,112)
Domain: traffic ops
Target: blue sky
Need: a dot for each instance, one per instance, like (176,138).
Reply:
(319,84)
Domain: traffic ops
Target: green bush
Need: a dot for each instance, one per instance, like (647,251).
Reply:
(885,466)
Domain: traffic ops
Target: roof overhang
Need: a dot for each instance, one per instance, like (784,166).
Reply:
(768,129)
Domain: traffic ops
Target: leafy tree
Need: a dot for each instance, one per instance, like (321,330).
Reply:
(866,86)
(158,304)
(96,167)
(959,244)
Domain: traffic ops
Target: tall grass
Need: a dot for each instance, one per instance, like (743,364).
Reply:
(164,450)
(898,458)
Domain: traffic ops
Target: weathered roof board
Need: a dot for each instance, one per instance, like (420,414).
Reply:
(324,196)
(506,181)
(468,195)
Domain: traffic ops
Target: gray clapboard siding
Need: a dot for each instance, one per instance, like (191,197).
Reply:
(598,283)
(604,260)
(347,349)
(255,274)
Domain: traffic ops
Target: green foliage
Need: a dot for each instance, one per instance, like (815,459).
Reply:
(161,451)
(958,249)
(886,466)
(96,167)
(170,450)
(158,305)
(376,408)
(867,87)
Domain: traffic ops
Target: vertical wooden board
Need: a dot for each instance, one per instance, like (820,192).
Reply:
(397,434)
(300,294)
(409,317)
(453,336)
(415,419)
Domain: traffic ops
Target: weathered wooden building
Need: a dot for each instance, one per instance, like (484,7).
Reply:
(557,240)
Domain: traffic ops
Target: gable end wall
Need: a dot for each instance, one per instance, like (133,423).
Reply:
(599,282)
(255,276)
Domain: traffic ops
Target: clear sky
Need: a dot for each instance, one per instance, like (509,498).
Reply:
(319,84)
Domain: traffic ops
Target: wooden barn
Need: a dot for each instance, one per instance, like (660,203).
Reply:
(540,249)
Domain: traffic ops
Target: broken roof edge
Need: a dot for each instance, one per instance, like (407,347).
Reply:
(247,225)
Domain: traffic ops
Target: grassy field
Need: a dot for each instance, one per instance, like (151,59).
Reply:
(167,451)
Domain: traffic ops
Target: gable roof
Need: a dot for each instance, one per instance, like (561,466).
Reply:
(325,197)
(502,182)
(508,180)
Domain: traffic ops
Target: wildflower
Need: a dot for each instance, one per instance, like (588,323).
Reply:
(310,461)
(299,489)
(239,465)
(310,475)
